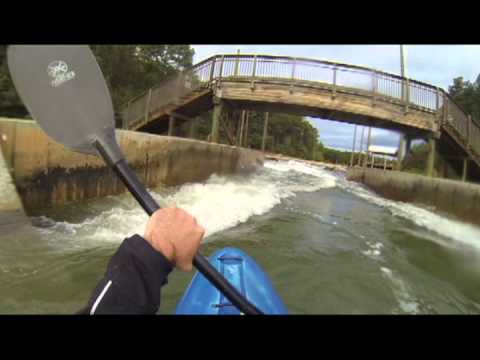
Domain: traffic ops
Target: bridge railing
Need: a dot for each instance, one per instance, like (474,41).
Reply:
(299,72)
(371,81)
(168,92)
(475,138)
(466,129)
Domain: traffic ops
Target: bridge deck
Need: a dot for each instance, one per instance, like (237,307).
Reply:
(307,87)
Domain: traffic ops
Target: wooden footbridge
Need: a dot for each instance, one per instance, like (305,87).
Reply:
(307,87)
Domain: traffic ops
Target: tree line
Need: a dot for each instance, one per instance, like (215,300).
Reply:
(467,95)
(128,70)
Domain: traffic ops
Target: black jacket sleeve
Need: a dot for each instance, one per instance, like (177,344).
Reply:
(132,282)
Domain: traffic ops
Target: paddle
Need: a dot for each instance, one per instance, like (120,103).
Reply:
(65,91)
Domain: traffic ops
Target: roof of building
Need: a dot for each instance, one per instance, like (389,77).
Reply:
(383,150)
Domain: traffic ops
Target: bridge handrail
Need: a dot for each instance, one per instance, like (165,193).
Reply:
(255,67)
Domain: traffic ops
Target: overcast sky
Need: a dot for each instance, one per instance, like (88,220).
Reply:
(434,64)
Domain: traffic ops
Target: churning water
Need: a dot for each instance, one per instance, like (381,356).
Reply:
(329,245)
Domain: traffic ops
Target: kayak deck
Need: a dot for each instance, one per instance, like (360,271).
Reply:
(202,298)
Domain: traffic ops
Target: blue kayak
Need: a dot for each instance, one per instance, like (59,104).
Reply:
(202,298)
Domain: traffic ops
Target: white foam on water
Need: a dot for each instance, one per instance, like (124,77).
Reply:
(374,249)
(110,226)
(325,179)
(407,303)
(462,233)
(219,203)
(223,202)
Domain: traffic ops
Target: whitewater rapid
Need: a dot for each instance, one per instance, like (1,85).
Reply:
(223,202)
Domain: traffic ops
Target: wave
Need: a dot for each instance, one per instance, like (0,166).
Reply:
(223,202)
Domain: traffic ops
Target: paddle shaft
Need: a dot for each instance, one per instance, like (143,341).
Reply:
(137,189)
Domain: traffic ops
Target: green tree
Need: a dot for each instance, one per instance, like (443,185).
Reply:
(290,135)
(10,103)
(467,95)
(131,69)
(416,160)
(128,70)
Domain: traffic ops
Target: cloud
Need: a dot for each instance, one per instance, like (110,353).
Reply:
(385,138)
(340,135)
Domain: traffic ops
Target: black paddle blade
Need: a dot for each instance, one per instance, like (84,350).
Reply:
(64,90)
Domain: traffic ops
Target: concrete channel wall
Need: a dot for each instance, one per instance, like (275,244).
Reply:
(47,174)
(460,199)
(11,209)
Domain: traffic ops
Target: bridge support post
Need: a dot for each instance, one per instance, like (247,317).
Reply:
(171,125)
(217,112)
(401,152)
(265,131)
(408,145)
(353,146)
(367,152)
(245,136)
(193,127)
(240,133)
(361,148)
(237,60)
(431,157)
(465,169)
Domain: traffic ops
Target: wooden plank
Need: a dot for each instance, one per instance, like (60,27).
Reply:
(171,125)
(245,137)
(334,84)
(351,104)
(369,138)
(465,169)
(236,64)
(242,122)
(212,70)
(431,157)
(265,131)
(220,73)
(407,95)
(252,84)
(353,145)
(224,123)
(361,147)
(217,112)
(292,78)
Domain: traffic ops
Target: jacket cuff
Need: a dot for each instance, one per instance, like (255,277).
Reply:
(154,260)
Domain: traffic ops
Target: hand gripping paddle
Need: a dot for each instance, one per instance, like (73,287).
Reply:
(65,91)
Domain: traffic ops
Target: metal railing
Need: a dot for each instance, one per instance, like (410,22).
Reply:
(298,72)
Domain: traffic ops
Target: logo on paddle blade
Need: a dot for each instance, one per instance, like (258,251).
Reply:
(58,70)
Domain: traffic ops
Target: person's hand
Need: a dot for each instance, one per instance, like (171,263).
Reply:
(176,234)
